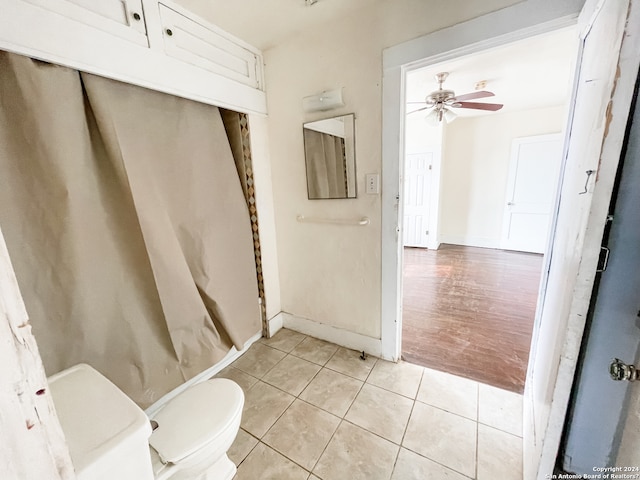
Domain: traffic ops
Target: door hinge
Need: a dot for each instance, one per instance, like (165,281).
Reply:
(430,167)
(426,232)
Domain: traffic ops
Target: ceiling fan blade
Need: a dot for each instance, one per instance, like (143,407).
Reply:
(472,96)
(480,106)
(419,110)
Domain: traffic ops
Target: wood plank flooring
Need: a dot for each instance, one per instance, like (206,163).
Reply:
(469,311)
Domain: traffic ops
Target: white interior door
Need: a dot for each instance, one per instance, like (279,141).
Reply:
(531,191)
(417,195)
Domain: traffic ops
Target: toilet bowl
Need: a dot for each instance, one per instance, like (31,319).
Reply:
(109,436)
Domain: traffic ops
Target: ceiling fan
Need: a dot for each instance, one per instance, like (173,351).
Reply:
(442,101)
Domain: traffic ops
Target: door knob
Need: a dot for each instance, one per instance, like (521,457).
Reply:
(618,370)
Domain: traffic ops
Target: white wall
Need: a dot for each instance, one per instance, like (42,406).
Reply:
(475,168)
(331,273)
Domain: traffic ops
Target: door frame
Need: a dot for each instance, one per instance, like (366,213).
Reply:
(524,19)
(508,25)
(612,329)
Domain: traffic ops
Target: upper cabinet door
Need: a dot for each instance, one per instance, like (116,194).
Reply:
(122,18)
(208,47)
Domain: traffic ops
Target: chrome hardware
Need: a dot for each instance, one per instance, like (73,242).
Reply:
(618,370)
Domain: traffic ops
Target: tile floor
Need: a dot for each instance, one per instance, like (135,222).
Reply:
(314,410)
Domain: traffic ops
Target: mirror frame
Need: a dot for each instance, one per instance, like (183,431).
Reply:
(349,156)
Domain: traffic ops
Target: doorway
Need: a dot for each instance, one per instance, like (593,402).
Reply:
(469,300)
(597,119)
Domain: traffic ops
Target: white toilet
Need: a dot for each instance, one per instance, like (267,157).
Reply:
(110,437)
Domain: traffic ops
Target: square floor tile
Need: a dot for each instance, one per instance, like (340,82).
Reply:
(411,466)
(314,350)
(332,391)
(263,405)
(263,463)
(500,409)
(380,411)
(285,340)
(258,360)
(245,380)
(355,454)
(444,437)
(302,433)
(449,392)
(349,362)
(499,455)
(242,445)
(403,378)
(292,374)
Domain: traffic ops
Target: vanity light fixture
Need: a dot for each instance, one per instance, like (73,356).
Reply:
(323,101)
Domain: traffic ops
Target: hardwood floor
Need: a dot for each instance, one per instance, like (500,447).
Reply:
(469,311)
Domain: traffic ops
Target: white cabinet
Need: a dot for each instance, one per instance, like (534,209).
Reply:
(208,47)
(156,44)
(123,18)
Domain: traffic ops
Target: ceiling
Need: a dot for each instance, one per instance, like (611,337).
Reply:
(266,23)
(531,73)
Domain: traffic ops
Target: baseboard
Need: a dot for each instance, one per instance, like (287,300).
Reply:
(483,242)
(339,336)
(276,323)
(229,358)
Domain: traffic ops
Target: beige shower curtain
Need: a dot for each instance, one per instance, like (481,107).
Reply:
(127,226)
(326,165)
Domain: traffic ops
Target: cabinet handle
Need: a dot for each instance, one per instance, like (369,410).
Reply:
(169,31)
(136,16)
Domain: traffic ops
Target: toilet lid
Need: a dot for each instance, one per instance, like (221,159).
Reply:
(196,417)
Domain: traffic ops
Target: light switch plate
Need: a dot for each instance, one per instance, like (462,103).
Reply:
(372,181)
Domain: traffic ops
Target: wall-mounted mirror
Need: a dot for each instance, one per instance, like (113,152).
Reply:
(329,151)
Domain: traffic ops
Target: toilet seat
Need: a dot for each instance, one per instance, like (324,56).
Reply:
(198,422)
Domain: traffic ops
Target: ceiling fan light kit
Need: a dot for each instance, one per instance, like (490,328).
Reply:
(441,101)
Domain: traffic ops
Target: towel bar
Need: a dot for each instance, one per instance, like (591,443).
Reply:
(337,221)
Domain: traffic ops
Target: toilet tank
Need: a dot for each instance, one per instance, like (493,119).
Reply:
(106,431)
